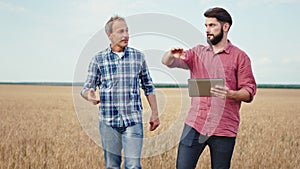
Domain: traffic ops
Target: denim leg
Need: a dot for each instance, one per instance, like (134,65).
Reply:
(132,144)
(112,146)
(221,149)
(189,149)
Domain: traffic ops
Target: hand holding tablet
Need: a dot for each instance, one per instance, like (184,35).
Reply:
(202,87)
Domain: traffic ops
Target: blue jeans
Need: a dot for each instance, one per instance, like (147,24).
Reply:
(114,139)
(192,144)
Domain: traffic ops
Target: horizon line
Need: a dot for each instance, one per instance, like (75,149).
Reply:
(158,85)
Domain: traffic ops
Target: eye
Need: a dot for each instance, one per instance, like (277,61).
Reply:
(121,31)
(210,25)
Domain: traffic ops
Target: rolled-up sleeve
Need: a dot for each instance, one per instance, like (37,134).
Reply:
(93,77)
(245,76)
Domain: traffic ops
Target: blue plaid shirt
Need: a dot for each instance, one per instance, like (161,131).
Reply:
(118,80)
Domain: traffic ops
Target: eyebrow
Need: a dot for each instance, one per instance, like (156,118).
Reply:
(210,24)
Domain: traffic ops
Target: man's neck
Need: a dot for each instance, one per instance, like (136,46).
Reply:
(220,46)
(117,49)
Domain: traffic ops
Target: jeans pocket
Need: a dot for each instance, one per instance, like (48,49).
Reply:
(188,135)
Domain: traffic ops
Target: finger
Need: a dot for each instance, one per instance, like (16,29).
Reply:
(173,50)
(97,101)
(220,87)
(153,125)
(220,95)
(94,101)
(91,90)
(219,90)
(176,50)
(91,93)
(179,49)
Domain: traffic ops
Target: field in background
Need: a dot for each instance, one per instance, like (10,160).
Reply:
(40,129)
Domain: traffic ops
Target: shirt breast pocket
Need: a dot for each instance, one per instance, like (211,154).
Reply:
(107,76)
(108,70)
(136,67)
(230,74)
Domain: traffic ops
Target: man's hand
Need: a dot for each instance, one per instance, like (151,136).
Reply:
(169,56)
(91,96)
(154,121)
(225,92)
(177,53)
(221,91)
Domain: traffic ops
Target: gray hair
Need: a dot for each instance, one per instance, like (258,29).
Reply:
(109,24)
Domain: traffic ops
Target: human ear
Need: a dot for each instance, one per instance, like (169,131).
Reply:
(108,35)
(226,27)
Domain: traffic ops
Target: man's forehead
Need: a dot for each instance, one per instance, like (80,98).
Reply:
(119,24)
(211,20)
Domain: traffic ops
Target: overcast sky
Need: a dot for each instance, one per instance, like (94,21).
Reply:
(43,41)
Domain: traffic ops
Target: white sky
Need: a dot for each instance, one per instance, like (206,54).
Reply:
(42,41)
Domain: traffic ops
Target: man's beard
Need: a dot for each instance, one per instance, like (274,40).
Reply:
(216,39)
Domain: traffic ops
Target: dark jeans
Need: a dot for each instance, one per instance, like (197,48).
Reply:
(192,144)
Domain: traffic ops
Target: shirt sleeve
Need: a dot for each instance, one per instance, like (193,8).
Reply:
(245,76)
(93,77)
(184,62)
(189,57)
(179,63)
(146,80)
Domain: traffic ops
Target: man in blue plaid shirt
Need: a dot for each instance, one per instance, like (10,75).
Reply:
(118,72)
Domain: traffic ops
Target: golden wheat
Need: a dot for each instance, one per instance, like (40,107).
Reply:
(40,129)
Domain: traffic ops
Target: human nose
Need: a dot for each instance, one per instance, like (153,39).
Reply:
(126,34)
(207,30)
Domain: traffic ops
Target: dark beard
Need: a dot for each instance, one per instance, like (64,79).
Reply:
(216,38)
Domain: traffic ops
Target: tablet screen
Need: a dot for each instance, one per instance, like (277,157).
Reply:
(201,87)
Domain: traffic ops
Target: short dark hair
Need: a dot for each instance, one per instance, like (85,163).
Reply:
(220,14)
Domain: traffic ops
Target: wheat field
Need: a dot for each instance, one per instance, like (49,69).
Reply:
(44,127)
